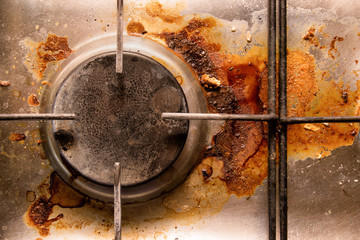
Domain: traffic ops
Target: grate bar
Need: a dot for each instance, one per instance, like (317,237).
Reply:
(215,116)
(119,36)
(283,202)
(37,116)
(297,120)
(272,124)
(117,200)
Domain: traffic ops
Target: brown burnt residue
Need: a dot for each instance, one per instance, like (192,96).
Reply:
(192,46)
(16,137)
(62,195)
(40,54)
(234,84)
(33,100)
(332,47)
(237,92)
(39,213)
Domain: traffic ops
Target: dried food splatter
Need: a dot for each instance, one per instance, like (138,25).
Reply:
(310,36)
(30,196)
(136,28)
(62,195)
(331,99)
(39,213)
(16,137)
(33,100)
(332,47)
(40,54)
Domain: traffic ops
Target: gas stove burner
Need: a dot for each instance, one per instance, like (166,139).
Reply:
(119,119)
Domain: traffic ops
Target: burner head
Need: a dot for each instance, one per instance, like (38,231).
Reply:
(119,119)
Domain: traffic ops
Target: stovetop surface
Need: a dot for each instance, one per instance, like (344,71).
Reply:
(323,192)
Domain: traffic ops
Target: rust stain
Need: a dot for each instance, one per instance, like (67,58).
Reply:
(16,137)
(40,54)
(33,100)
(61,195)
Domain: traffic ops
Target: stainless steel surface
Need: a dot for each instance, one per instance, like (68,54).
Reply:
(37,116)
(117,200)
(323,194)
(119,36)
(214,116)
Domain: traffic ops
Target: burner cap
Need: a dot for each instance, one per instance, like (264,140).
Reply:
(118,119)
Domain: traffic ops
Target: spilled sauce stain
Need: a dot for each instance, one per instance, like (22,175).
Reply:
(38,214)
(40,54)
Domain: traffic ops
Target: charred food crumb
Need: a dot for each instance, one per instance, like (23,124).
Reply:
(310,34)
(5,83)
(33,100)
(210,82)
(311,127)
